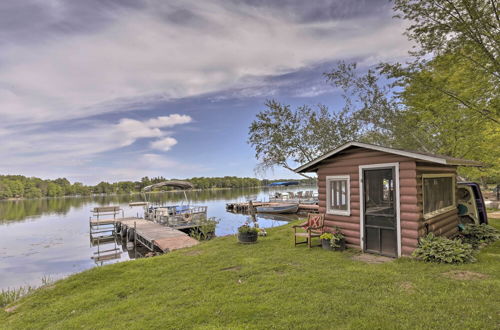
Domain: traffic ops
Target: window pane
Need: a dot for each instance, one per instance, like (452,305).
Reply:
(438,193)
(338,195)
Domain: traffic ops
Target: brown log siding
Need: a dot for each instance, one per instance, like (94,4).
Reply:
(413,224)
(347,163)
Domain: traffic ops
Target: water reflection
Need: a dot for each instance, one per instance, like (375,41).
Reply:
(35,208)
(50,237)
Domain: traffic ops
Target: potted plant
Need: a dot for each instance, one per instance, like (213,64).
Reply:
(247,234)
(325,241)
(337,242)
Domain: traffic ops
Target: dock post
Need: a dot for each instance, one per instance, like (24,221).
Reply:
(90,230)
(135,240)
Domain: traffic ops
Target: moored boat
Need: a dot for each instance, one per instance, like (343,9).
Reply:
(174,215)
(279,208)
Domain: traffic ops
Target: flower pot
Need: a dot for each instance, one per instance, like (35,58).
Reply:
(342,246)
(325,243)
(247,238)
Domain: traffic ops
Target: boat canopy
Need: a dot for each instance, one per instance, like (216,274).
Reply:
(284,183)
(183,185)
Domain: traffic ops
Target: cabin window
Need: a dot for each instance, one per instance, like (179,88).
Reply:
(338,195)
(438,193)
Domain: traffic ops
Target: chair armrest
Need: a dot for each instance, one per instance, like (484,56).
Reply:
(302,225)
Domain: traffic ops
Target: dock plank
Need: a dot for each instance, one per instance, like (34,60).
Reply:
(165,238)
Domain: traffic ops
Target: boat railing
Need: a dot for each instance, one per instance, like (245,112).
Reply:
(172,217)
(198,209)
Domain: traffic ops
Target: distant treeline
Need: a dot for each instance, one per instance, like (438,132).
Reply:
(18,186)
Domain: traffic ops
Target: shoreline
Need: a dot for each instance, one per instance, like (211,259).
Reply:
(17,199)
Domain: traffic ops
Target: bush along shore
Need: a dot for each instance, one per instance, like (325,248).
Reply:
(14,187)
(222,283)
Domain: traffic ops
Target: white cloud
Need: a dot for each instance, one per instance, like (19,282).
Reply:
(169,121)
(69,148)
(164,144)
(138,58)
(141,56)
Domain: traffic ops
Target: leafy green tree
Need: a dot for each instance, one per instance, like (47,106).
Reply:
(282,136)
(462,27)
(469,29)
(31,191)
(17,188)
(442,123)
(5,191)
(54,190)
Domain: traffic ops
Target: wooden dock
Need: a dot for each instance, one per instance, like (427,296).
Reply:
(244,207)
(152,235)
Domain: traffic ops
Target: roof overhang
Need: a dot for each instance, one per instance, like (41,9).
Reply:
(311,166)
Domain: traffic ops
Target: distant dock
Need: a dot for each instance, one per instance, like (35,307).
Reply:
(245,207)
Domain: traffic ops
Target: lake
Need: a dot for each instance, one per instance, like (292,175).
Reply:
(49,238)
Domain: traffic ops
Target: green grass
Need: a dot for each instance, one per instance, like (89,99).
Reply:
(271,284)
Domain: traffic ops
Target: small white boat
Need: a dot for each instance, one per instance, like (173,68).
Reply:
(278,209)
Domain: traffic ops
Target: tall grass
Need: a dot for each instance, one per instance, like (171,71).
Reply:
(8,296)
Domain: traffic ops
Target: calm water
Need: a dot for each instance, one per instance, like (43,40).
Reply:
(50,237)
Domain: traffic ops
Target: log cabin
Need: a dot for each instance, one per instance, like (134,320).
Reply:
(383,199)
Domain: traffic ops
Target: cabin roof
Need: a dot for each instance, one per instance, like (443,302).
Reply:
(423,156)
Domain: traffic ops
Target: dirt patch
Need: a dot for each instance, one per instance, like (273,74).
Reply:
(12,309)
(465,275)
(193,253)
(494,215)
(407,287)
(232,268)
(372,258)
(48,287)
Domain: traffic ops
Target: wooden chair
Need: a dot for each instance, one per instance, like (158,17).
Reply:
(313,227)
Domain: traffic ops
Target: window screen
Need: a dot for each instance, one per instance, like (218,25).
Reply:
(438,193)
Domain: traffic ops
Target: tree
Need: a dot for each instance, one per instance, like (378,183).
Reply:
(31,191)
(54,190)
(446,26)
(469,29)
(281,136)
(442,123)
(5,191)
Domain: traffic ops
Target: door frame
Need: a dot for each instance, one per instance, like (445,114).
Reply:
(362,206)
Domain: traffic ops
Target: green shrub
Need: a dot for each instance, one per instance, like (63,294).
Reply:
(246,229)
(205,230)
(337,239)
(443,250)
(326,235)
(476,235)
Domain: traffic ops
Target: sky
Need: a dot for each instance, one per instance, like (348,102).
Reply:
(120,89)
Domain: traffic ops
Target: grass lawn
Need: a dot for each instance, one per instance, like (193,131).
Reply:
(222,284)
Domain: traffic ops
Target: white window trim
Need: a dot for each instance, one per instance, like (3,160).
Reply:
(328,192)
(361,205)
(453,190)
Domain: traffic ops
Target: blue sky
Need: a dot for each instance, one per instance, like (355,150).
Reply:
(116,90)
